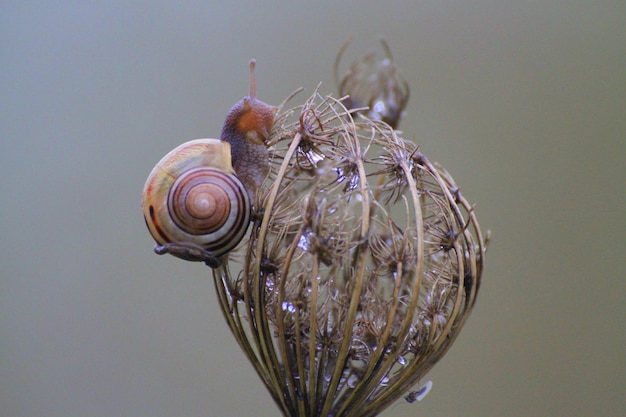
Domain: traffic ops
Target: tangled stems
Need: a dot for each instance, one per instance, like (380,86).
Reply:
(362,265)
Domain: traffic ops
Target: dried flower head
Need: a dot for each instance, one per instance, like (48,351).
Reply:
(374,86)
(362,265)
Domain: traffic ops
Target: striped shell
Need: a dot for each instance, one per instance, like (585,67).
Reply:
(193,196)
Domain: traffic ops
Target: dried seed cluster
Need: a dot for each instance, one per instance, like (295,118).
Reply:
(374,86)
(363,263)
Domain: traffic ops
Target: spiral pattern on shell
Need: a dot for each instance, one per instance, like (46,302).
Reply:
(193,195)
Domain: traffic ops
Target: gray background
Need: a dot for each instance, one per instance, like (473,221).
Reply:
(523,101)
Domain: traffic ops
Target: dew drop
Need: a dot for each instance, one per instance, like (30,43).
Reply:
(341,177)
(379,108)
(419,395)
(352,381)
(288,306)
(353,183)
(303,242)
(314,157)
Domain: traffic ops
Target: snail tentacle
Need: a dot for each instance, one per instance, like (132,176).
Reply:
(188,251)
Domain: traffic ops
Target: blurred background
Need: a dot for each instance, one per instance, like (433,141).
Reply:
(523,102)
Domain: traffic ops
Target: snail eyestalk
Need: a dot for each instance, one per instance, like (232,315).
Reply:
(252,92)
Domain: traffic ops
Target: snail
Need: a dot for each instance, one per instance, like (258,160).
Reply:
(197,201)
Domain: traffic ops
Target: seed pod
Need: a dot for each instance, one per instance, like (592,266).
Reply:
(374,84)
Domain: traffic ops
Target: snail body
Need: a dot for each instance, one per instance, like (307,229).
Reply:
(197,201)
(246,129)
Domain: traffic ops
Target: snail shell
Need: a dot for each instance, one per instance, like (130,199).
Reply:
(193,196)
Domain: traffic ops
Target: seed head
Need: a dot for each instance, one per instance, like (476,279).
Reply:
(363,263)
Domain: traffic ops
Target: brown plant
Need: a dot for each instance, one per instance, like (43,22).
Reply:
(363,262)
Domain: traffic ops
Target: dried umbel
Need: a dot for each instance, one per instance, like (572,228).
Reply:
(363,263)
